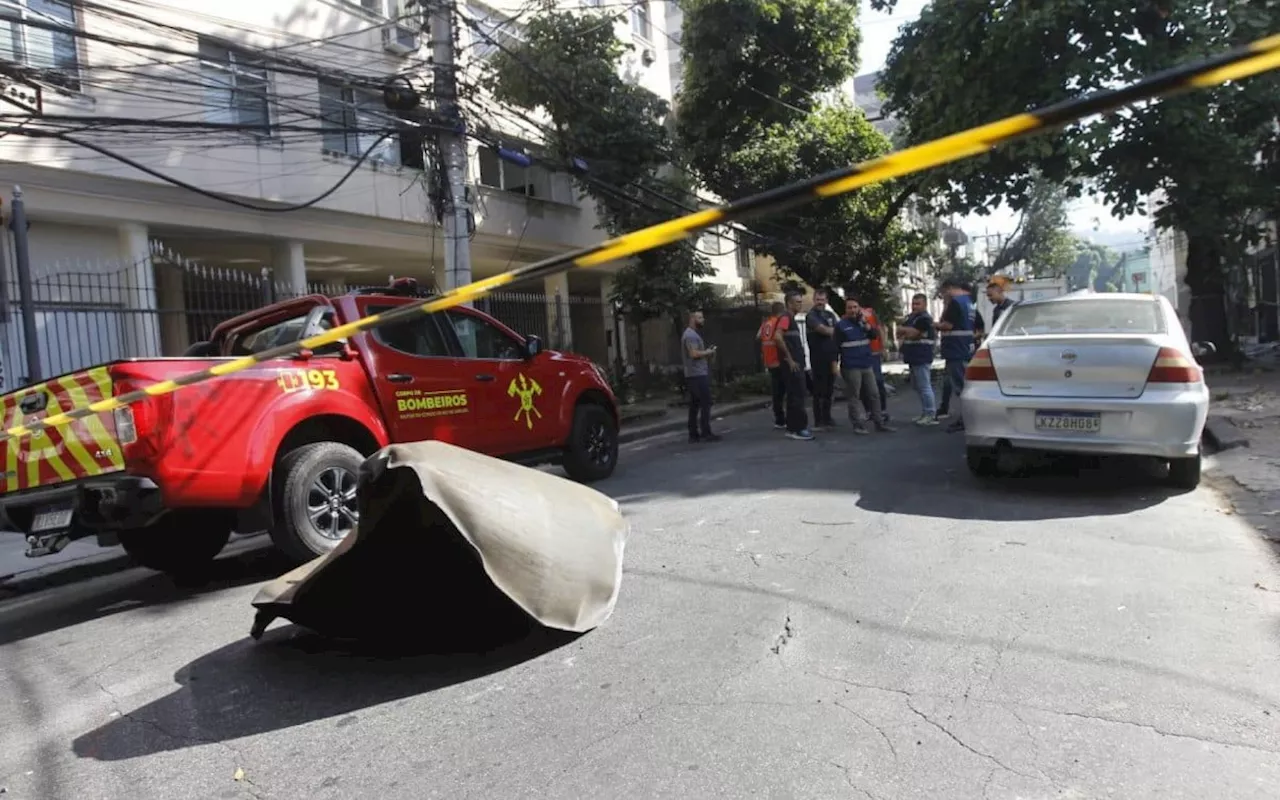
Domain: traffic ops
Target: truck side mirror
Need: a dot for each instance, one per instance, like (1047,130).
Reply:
(532,345)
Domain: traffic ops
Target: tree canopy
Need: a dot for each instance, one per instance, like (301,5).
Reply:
(966,62)
(568,67)
(760,107)
(1042,238)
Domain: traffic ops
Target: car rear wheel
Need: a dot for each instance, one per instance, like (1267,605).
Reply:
(316,501)
(1184,473)
(181,543)
(982,462)
(592,450)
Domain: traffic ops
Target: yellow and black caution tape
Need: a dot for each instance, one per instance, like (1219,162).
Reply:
(1258,57)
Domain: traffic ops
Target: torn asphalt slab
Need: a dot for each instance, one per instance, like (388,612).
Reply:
(454,542)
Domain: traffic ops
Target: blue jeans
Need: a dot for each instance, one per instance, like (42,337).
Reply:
(922,379)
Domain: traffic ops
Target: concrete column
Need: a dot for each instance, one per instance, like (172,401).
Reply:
(559,327)
(291,267)
(141,326)
(174,338)
(616,329)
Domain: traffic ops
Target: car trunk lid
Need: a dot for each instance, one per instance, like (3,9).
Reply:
(84,448)
(1074,366)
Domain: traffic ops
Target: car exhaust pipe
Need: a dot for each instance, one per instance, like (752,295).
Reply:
(457,546)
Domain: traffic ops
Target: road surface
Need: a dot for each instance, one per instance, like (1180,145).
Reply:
(851,617)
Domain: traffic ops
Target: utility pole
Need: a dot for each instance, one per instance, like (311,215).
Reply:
(453,149)
(26,299)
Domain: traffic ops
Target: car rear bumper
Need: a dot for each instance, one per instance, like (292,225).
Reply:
(1165,422)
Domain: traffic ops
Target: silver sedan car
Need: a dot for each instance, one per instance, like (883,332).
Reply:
(1098,374)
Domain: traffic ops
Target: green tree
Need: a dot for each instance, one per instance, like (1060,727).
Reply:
(759,109)
(1042,237)
(1092,262)
(965,62)
(568,67)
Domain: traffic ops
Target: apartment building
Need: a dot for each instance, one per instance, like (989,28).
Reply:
(285,78)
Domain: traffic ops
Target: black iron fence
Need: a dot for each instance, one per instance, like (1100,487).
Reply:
(97,313)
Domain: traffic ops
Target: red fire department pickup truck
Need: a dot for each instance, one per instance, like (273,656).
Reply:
(278,446)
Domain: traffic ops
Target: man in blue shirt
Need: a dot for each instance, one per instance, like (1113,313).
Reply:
(956,331)
(917,335)
(697,376)
(853,333)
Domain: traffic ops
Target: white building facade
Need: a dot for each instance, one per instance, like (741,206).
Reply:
(285,77)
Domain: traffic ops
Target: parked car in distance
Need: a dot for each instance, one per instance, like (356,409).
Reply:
(278,446)
(1094,374)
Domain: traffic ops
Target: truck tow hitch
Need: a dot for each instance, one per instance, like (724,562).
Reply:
(47,544)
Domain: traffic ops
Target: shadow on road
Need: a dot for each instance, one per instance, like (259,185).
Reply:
(140,590)
(915,471)
(293,677)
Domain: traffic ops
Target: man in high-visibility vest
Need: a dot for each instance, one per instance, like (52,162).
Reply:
(877,359)
(956,330)
(773,363)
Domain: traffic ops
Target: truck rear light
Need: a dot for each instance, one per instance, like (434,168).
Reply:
(126,430)
(980,367)
(1173,367)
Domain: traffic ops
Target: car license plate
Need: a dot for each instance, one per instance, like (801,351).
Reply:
(1079,421)
(51,519)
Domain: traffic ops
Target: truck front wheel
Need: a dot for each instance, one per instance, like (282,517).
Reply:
(181,543)
(316,500)
(592,450)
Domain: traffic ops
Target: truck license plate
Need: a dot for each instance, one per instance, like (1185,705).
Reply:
(1079,421)
(51,519)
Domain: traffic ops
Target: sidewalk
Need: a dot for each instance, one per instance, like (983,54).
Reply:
(1243,434)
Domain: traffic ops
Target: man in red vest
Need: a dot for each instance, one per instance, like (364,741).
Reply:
(773,363)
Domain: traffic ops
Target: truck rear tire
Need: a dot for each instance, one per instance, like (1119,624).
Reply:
(181,543)
(592,450)
(316,499)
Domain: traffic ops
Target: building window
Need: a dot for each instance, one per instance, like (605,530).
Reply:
(235,87)
(52,52)
(746,269)
(532,181)
(494,27)
(712,243)
(640,24)
(353,120)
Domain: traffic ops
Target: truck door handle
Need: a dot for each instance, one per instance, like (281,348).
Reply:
(484,377)
(400,377)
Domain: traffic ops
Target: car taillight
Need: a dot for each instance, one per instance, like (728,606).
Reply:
(1173,367)
(126,430)
(980,367)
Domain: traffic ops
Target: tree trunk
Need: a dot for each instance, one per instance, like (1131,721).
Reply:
(1207,286)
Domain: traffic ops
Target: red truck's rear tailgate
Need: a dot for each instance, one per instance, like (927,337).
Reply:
(82,449)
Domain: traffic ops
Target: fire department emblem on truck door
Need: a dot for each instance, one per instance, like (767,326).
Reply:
(526,389)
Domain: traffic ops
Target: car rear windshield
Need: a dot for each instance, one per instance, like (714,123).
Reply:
(1085,316)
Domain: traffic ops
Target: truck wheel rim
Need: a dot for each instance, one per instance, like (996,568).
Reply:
(598,449)
(331,503)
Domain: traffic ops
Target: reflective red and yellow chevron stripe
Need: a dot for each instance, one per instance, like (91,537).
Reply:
(83,448)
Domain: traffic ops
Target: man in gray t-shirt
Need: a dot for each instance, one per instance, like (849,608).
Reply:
(697,376)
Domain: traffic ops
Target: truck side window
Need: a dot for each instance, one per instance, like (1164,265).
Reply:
(481,339)
(417,337)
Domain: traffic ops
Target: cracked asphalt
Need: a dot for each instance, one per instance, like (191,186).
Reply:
(852,617)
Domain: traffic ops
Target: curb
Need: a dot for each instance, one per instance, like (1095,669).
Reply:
(1219,434)
(667,426)
(631,419)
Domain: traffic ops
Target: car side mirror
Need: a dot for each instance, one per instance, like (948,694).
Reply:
(1199,349)
(532,346)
